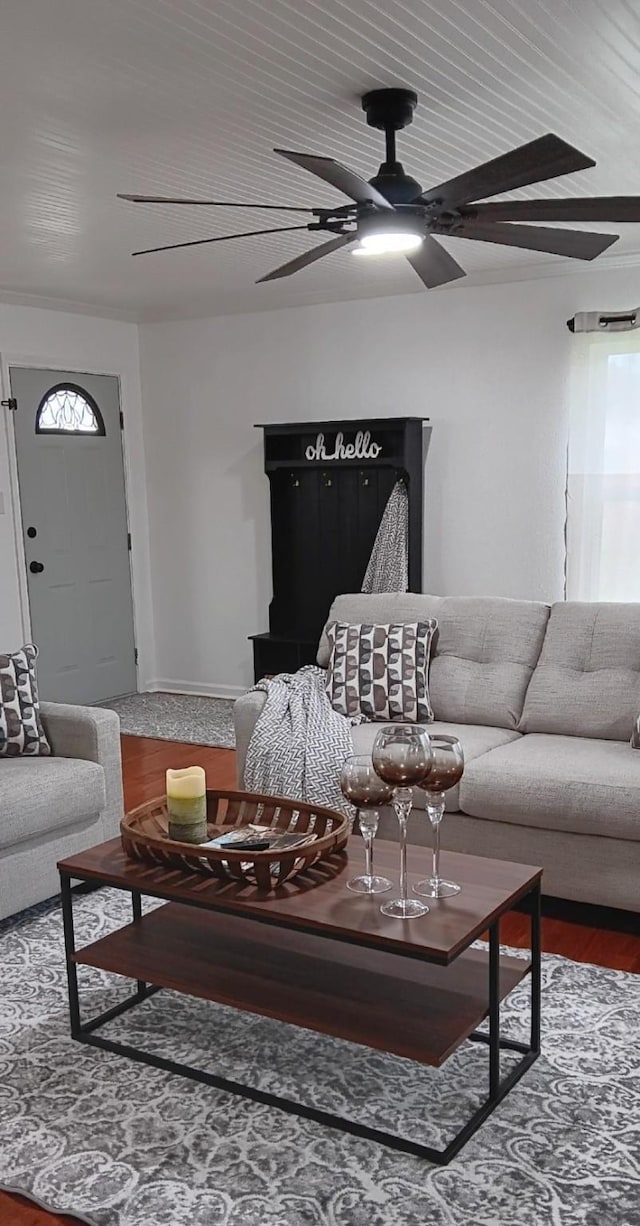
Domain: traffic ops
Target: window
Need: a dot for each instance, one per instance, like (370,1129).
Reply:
(68,409)
(603,492)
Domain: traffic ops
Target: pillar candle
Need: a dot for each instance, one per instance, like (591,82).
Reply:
(187,804)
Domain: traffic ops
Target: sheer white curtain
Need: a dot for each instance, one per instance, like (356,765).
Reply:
(603,503)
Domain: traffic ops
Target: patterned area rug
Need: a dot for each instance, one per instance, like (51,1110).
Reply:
(177,717)
(122,1144)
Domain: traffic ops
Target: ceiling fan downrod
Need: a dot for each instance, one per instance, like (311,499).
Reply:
(390,110)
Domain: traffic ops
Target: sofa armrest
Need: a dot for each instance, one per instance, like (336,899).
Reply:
(245,716)
(92,734)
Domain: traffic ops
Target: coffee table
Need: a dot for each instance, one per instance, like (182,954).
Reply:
(315,955)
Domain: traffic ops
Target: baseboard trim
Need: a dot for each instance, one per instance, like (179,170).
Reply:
(201,689)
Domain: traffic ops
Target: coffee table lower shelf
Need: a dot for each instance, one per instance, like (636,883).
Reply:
(400,1005)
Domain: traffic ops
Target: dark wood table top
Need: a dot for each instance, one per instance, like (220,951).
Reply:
(318,902)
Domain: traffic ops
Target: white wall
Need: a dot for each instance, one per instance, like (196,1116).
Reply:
(488,365)
(57,339)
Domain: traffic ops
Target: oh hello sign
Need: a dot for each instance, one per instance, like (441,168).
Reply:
(362,448)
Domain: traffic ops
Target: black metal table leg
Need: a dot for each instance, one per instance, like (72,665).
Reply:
(498,1089)
(80,1029)
(70,949)
(536,968)
(494,1010)
(136,907)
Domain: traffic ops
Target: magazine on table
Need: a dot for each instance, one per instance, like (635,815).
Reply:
(253,837)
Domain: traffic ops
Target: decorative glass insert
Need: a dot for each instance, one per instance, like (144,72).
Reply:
(69,409)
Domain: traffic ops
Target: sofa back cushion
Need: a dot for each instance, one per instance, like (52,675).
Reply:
(587,681)
(483,655)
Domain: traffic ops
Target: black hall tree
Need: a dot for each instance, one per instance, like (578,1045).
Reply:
(330,482)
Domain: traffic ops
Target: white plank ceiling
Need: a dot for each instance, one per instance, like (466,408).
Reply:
(189,97)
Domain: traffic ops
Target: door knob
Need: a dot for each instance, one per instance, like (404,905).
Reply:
(36,568)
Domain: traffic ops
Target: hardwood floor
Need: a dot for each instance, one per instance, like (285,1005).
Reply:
(144,763)
(601,937)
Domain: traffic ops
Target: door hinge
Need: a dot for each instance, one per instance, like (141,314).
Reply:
(128,540)
(135,654)
(121,420)
(11,404)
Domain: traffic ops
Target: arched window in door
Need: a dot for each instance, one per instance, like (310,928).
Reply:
(69,409)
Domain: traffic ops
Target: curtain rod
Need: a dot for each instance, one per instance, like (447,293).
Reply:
(596,321)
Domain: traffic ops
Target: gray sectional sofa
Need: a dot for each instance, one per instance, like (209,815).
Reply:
(51,807)
(544,700)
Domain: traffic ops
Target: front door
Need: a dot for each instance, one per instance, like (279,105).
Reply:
(74,522)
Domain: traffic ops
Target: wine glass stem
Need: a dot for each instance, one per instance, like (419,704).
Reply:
(436,810)
(403,857)
(368,855)
(436,852)
(402,804)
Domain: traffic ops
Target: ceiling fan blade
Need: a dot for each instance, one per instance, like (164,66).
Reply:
(339,176)
(594,208)
(434,265)
(222,238)
(577,244)
(309,257)
(218,204)
(544,158)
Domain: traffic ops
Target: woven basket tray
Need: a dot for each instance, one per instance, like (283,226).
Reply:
(144,833)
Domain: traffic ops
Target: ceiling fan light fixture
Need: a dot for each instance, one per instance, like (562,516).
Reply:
(388,242)
(389,234)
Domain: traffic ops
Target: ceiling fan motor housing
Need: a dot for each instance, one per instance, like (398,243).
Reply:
(395,185)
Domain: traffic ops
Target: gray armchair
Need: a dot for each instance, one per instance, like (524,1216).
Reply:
(51,807)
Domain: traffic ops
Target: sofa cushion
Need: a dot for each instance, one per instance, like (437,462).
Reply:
(42,794)
(587,681)
(381,672)
(475,740)
(21,730)
(483,654)
(567,783)
(483,658)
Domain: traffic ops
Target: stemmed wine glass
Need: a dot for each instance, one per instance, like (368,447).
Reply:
(446,770)
(366,791)
(402,758)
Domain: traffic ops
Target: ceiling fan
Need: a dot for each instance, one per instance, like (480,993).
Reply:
(392,213)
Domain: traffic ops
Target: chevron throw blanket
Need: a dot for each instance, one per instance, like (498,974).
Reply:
(299,742)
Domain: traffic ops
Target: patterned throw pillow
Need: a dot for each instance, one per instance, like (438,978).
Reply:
(21,730)
(380,672)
